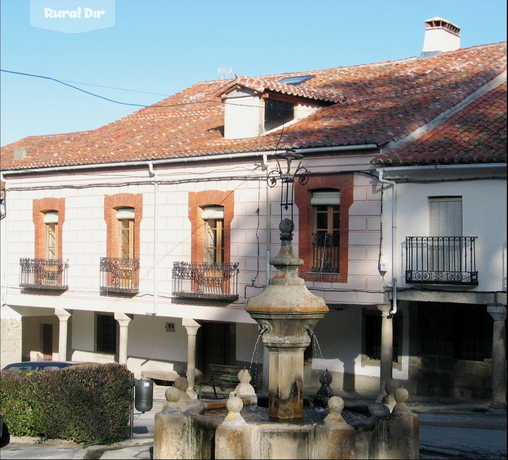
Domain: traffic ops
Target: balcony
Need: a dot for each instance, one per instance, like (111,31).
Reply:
(441,260)
(120,276)
(43,274)
(325,252)
(211,281)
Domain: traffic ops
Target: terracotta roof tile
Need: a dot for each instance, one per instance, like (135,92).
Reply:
(272,84)
(372,104)
(475,134)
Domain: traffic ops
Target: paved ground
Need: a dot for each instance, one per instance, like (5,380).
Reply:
(461,431)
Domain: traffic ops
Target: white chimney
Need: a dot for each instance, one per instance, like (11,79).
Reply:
(440,35)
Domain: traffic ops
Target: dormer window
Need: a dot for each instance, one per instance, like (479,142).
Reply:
(252,110)
(277,113)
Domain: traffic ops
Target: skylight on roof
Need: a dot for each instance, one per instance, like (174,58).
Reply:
(297,80)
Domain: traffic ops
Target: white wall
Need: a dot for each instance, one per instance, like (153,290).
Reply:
(484,216)
(254,238)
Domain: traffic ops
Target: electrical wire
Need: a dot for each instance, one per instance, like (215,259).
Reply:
(116,88)
(71,86)
(67,83)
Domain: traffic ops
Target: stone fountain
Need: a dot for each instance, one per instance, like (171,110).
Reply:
(287,313)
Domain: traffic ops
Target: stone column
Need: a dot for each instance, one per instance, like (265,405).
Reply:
(123,321)
(192,329)
(385,372)
(498,313)
(63,318)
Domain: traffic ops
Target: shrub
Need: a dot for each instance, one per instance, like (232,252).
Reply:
(88,404)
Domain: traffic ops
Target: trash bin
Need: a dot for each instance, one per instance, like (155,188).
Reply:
(143,395)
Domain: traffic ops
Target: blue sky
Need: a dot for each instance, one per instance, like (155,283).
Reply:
(159,47)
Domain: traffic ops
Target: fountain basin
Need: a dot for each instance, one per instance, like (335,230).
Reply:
(194,429)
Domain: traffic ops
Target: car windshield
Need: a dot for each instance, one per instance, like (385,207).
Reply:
(18,367)
(39,366)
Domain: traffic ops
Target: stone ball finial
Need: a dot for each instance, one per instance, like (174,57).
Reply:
(325,378)
(335,406)
(172,394)
(325,391)
(234,406)
(181,383)
(286,226)
(234,403)
(244,388)
(389,400)
(401,395)
(244,376)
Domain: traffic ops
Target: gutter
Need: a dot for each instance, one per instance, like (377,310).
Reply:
(226,156)
(391,169)
(380,172)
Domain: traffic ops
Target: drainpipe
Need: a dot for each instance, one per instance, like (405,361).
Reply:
(266,166)
(151,172)
(394,238)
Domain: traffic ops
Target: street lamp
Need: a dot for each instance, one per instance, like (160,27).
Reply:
(287,179)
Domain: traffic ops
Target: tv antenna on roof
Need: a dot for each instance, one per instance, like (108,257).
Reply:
(225,73)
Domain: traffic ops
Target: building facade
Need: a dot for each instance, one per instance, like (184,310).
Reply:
(141,242)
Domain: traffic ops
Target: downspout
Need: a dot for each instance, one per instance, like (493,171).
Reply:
(393,310)
(151,172)
(268,218)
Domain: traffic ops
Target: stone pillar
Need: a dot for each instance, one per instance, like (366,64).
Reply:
(123,321)
(285,383)
(287,312)
(63,318)
(192,329)
(385,372)
(498,313)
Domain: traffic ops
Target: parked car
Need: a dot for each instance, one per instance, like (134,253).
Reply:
(40,365)
(5,436)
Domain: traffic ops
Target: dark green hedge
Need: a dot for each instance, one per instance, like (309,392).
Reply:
(87,404)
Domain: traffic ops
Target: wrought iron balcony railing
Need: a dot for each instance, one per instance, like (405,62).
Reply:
(43,273)
(119,276)
(441,260)
(325,252)
(212,281)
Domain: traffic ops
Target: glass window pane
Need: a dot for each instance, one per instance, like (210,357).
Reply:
(277,113)
(106,334)
(326,238)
